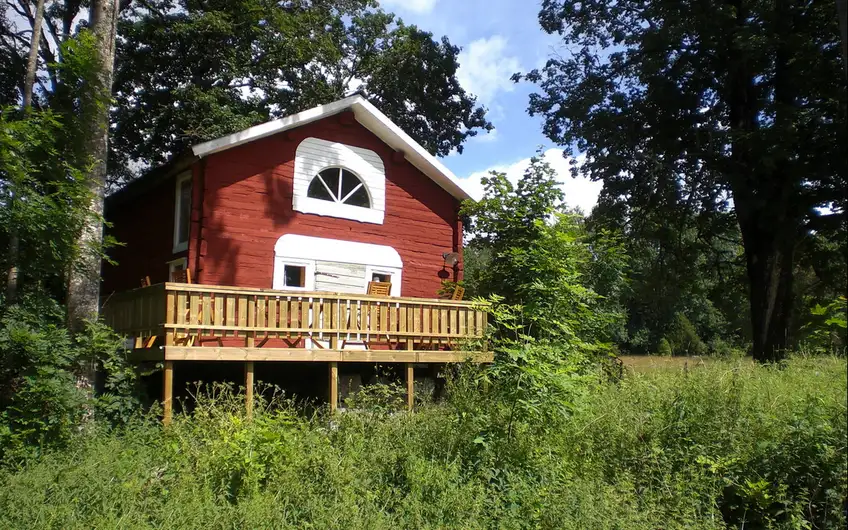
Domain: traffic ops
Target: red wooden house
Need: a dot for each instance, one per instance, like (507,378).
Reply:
(282,226)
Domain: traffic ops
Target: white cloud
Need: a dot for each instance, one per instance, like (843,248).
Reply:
(485,137)
(579,192)
(415,6)
(485,69)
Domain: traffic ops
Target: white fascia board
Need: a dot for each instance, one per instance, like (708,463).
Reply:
(366,114)
(272,127)
(379,124)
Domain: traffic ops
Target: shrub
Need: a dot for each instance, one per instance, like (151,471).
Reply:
(683,338)
(664,349)
(41,403)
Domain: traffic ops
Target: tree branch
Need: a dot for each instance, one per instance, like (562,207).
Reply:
(49,56)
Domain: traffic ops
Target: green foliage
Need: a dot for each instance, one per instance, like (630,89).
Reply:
(198,65)
(43,199)
(700,121)
(720,446)
(683,339)
(827,329)
(41,403)
(664,349)
(118,399)
(530,254)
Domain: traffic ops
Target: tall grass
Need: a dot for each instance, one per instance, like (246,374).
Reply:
(723,445)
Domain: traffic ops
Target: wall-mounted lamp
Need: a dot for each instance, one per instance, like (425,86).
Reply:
(451,259)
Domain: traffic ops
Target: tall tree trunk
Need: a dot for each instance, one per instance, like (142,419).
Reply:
(769,252)
(84,276)
(765,197)
(29,81)
(32,60)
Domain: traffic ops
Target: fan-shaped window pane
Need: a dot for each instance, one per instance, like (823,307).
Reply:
(359,198)
(317,190)
(339,185)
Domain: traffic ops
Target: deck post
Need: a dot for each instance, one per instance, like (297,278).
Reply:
(248,387)
(410,386)
(168,392)
(334,386)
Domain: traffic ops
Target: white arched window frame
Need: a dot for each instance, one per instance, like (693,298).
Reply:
(315,155)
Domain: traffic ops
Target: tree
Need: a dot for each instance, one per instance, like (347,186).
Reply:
(735,106)
(29,80)
(189,72)
(538,258)
(84,279)
(680,261)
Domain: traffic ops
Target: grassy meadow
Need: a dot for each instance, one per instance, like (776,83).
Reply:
(726,445)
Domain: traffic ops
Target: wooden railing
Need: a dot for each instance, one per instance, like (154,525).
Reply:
(176,314)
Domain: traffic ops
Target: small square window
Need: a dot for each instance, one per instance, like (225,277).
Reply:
(295,275)
(379,277)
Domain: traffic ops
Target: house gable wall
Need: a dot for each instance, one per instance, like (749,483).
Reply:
(247,206)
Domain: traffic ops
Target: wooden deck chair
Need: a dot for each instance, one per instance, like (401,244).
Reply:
(458,293)
(374,289)
(183,276)
(379,288)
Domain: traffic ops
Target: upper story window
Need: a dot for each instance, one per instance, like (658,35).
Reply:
(339,185)
(338,180)
(182,212)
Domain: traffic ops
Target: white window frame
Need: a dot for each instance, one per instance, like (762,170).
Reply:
(395,273)
(280,274)
(180,246)
(314,155)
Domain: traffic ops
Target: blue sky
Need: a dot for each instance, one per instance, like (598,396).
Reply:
(498,38)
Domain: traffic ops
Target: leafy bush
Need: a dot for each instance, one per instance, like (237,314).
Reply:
(724,445)
(683,338)
(826,332)
(41,403)
(664,348)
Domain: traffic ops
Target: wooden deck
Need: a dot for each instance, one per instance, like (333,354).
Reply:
(188,322)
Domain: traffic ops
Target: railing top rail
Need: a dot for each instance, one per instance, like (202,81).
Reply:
(130,293)
(195,287)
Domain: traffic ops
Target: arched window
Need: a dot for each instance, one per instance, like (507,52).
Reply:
(338,180)
(339,185)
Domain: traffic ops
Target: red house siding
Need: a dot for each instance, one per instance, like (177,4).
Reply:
(145,227)
(247,206)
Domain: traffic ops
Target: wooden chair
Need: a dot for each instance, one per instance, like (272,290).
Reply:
(458,293)
(374,289)
(379,288)
(183,276)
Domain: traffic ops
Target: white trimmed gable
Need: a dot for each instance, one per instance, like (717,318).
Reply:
(367,115)
(314,155)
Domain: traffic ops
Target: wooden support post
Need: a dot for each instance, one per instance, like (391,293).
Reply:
(334,386)
(168,392)
(248,387)
(410,386)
